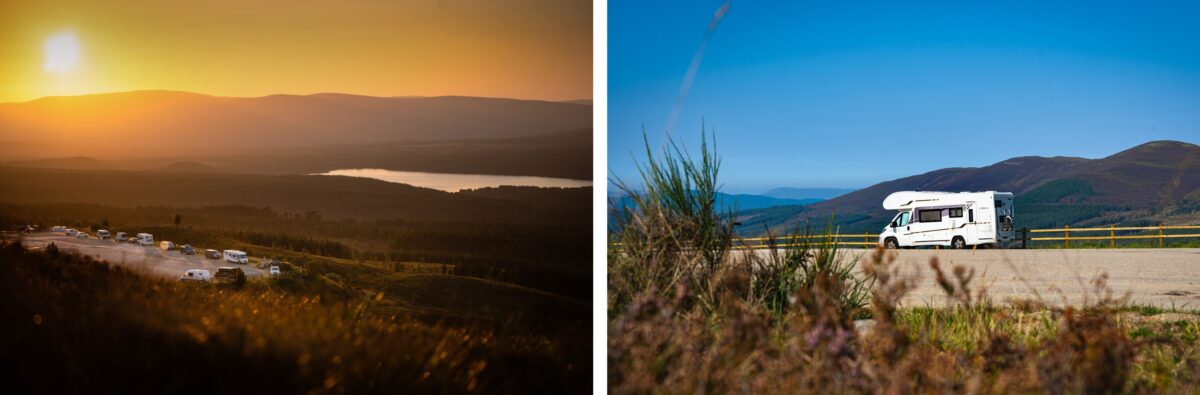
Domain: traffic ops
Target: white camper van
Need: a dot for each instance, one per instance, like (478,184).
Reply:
(102,234)
(236,256)
(949,219)
(145,239)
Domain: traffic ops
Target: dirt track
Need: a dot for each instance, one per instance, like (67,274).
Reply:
(1161,277)
(149,259)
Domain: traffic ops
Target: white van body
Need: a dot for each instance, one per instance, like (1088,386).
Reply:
(121,236)
(236,256)
(166,245)
(196,275)
(102,234)
(145,239)
(274,271)
(949,219)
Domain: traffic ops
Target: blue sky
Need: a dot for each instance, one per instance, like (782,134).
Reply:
(848,93)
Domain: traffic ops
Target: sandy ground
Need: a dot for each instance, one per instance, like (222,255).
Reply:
(1162,277)
(150,260)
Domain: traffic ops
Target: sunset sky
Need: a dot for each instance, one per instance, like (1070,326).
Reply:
(530,49)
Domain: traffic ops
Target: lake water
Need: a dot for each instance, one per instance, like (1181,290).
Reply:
(451,182)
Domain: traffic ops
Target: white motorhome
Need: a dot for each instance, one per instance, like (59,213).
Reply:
(200,275)
(145,239)
(948,219)
(121,236)
(102,234)
(236,256)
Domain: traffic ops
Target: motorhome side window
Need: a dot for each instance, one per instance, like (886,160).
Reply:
(956,212)
(930,215)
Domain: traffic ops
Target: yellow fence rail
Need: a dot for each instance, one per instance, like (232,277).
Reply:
(1068,234)
(1112,236)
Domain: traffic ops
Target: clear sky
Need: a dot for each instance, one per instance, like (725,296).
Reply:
(535,49)
(851,93)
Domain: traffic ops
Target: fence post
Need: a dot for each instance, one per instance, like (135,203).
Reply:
(1162,241)
(866,240)
(1024,238)
(1112,236)
(1067,236)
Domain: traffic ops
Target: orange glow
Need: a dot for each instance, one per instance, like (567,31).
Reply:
(535,49)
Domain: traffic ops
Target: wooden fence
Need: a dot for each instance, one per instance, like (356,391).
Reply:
(1068,234)
(1157,232)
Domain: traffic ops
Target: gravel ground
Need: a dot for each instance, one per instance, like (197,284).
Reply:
(1163,277)
(150,259)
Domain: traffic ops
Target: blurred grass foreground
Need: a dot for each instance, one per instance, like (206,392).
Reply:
(70,324)
(688,314)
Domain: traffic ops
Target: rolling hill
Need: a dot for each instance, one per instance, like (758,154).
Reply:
(334,197)
(164,123)
(1155,181)
(806,193)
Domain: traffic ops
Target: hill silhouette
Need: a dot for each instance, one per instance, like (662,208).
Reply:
(187,167)
(74,162)
(1151,181)
(165,123)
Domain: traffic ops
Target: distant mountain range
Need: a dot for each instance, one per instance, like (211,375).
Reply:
(165,123)
(1156,181)
(290,134)
(738,202)
(806,193)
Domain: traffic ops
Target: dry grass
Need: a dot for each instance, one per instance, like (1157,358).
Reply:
(74,325)
(687,316)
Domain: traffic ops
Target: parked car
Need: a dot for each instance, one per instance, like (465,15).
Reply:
(81,235)
(121,236)
(187,249)
(229,274)
(71,232)
(166,245)
(102,234)
(212,254)
(58,228)
(274,271)
(196,275)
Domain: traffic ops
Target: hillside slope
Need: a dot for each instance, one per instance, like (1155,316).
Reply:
(331,196)
(1152,180)
(145,123)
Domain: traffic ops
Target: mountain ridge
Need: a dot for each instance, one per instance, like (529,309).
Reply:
(1143,183)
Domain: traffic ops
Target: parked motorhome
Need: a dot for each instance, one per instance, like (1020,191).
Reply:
(196,275)
(949,219)
(121,236)
(166,245)
(145,239)
(102,234)
(236,256)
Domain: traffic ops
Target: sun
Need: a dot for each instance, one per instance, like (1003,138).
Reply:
(62,53)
